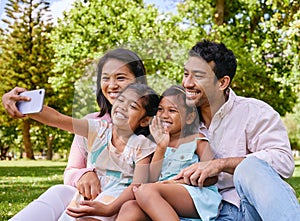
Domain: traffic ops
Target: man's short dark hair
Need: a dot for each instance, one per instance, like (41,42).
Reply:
(224,59)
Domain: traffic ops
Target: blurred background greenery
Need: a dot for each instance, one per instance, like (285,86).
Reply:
(60,56)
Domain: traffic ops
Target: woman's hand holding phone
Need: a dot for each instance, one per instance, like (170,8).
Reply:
(32,105)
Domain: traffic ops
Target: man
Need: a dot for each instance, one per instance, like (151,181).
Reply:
(250,142)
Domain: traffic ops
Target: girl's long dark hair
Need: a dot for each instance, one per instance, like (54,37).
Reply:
(150,101)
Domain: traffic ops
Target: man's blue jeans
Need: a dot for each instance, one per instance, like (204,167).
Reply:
(264,195)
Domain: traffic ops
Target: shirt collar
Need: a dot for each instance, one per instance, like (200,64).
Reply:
(226,107)
(202,129)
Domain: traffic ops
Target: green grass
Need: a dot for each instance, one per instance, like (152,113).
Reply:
(294,181)
(23,181)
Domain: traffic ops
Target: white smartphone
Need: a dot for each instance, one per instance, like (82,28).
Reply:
(35,105)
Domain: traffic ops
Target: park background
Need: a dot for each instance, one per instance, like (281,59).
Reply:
(56,48)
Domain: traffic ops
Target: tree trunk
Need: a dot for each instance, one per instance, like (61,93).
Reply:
(21,152)
(219,15)
(4,149)
(50,140)
(26,140)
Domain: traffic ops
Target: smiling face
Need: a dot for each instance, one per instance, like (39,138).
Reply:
(172,113)
(116,75)
(199,82)
(128,111)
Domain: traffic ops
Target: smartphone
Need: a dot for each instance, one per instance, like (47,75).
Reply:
(35,105)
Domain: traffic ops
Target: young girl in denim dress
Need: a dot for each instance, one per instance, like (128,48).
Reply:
(119,151)
(179,144)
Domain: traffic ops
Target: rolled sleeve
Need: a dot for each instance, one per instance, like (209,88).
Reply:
(269,141)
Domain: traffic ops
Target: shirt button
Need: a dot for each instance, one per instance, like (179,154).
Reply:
(181,157)
(173,149)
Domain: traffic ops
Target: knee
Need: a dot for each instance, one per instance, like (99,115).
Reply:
(248,171)
(59,193)
(62,190)
(54,190)
(127,211)
(128,206)
(245,170)
(144,193)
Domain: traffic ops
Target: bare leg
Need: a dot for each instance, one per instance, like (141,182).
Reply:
(130,211)
(165,201)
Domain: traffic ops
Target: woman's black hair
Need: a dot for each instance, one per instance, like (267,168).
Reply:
(180,94)
(150,101)
(133,62)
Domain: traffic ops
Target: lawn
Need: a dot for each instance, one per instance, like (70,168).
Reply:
(23,181)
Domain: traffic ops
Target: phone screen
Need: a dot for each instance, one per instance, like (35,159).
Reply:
(35,105)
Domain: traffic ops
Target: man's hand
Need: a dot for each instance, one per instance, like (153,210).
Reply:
(89,185)
(201,173)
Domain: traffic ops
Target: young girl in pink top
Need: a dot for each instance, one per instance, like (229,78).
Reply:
(119,151)
(179,144)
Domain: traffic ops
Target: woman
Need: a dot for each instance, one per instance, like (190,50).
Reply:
(116,69)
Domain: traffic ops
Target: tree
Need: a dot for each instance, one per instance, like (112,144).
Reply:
(25,53)
(92,27)
(263,34)
(86,32)
(292,122)
(257,31)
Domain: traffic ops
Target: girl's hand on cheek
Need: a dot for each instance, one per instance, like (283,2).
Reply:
(159,132)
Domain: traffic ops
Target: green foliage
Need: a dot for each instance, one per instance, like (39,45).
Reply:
(26,56)
(261,34)
(264,35)
(294,181)
(44,137)
(25,47)
(8,135)
(89,29)
(292,122)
